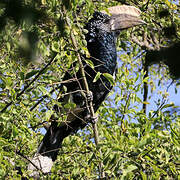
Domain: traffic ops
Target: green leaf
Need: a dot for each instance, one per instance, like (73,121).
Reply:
(3,142)
(137,77)
(21,75)
(8,46)
(2,172)
(143,175)
(15,131)
(84,42)
(145,102)
(70,105)
(168,105)
(109,77)
(130,168)
(30,74)
(48,114)
(97,76)
(43,90)
(90,63)
(85,31)
(146,140)
(55,46)
(8,82)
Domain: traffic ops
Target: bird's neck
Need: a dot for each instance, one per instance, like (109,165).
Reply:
(103,52)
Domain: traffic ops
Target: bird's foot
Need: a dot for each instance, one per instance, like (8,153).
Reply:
(91,119)
(89,96)
(94,119)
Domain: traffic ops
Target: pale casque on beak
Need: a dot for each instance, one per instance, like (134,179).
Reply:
(123,17)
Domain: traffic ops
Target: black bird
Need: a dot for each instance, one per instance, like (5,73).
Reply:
(101,44)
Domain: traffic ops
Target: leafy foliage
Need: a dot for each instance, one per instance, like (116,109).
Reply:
(134,144)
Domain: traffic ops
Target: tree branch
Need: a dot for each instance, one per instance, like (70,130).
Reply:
(143,44)
(91,109)
(145,87)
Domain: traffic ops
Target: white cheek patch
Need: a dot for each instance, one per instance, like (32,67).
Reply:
(114,75)
(115,72)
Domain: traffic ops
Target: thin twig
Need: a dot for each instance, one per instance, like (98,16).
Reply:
(145,87)
(146,6)
(53,90)
(43,97)
(91,109)
(163,101)
(124,110)
(22,155)
(29,84)
(159,108)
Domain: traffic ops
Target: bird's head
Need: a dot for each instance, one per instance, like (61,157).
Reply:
(121,17)
(98,23)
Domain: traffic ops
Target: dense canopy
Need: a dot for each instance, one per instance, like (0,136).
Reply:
(138,124)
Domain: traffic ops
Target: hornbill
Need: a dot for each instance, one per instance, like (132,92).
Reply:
(101,44)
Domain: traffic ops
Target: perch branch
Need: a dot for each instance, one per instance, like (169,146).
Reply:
(91,109)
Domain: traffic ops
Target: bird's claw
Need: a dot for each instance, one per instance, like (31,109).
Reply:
(89,96)
(94,119)
(91,119)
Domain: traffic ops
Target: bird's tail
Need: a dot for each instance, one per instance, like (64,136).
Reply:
(57,132)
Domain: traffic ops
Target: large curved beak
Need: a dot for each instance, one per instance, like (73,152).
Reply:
(123,17)
(124,21)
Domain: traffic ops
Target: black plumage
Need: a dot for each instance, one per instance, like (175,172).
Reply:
(101,44)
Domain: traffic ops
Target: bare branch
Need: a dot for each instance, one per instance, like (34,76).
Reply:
(143,44)
(95,130)
(145,87)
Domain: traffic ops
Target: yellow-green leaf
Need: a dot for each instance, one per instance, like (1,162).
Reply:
(90,63)
(97,76)
(109,77)
(55,46)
